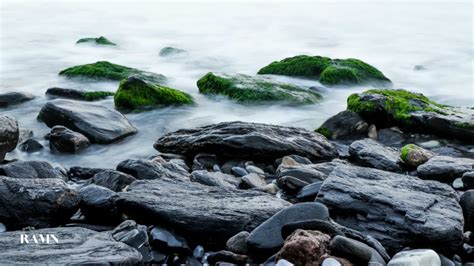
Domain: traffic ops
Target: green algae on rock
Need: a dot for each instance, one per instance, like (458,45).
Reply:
(104,70)
(328,71)
(413,112)
(134,93)
(413,155)
(169,51)
(97,95)
(248,89)
(101,41)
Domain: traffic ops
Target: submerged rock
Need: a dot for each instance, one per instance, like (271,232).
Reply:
(98,123)
(344,125)
(328,71)
(135,93)
(171,51)
(9,135)
(62,139)
(12,98)
(31,169)
(248,89)
(247,140)
(444,168)
(78,94)
(371,153)
(103,70)
(100,41)
(30,145)
(413,112)
(414,156)
(398,210)
(77,246)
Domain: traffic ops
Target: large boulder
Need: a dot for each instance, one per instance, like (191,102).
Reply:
(258,142)
(248,89)
(9,135)
(62,139)
(135,93)
(103,70)
(30,169)
(398,210)
(467,204)
(12,98)
(99,40)
(76,246)
(445,168)
(36,202)
(413,112)
(97,122)
(328,71)
(77,94)
(344,125)
(207,214)
(371,153)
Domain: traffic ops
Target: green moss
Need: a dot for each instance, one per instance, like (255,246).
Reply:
(134,93)
(405,150)
(249,89)
(96,95)
(464,125)
(328,71)
(355,104)
(324,131)
(101,40)
(103,70)
(167,51)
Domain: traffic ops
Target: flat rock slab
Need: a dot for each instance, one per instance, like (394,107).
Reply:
(445,168)
(97,122)
(206,214)
(75,245)
(371,153)
(398,210)
(259,142)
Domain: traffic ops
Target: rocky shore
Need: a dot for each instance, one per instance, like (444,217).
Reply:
(388,181)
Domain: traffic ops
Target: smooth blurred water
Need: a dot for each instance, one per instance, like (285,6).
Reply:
(37,40)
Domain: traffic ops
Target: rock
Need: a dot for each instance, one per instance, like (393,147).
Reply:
(414,156)
(391,137)
(136,236)
(304,247)
(171,51)
(100,41)
(254,169)
(415,257)
(247,140)
(292,160)
(226,256)
(309,192)
(36,202)
(214,179)
(198,252)
(78,94)
(24,134)
(113,180)
(397,210)
(202,213)
(78,172)
(253,89)
(266,239)
(413,112)
(344,125)
(253,180)
(327,227)
(291,185)
(31,169)
(444,168)
(135,93)
(271,188)
(309,173)
(30,145)
(372,132)
(282,263)
(328,71)
(169,242)
(371,153)
(237,244)
(13,98)
(146,169)
(8,135)
(467,204)
(430,144)
(468,180)
(204,161)
(2,228)
(445,261)
(239,171)
(98,204)
(355,251)
(103,70)
(331,262)
(62,139)
(77,246)
(97,122)
(458,184)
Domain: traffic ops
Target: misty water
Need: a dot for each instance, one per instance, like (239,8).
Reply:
(38,40)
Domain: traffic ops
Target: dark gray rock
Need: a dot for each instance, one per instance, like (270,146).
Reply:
(309,173)
(344,125)
(247,140)
(146,169)
(77,94)
(113,180)
(98,123)
(239,171)
(214,179)
(13,98)
(62,139)
(266,239)
(136,236)
(168,242)
(226,257)
(323,226)
(204,161)
(30,145)
(291,185)
(31,169)
(468,180)
(309,192)
(77,246)
(238,243)
(253,180)
(46,202)
(9,134)
(98,204)
(445,169)
(201,213)
(355,251)
(371,153)
(78,172)
(467,204)
(392,137)
(397,210)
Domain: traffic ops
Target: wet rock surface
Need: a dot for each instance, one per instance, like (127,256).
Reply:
(368,152)
(31,170)
(62,139)
(9,134)
(14,98)
(444,168)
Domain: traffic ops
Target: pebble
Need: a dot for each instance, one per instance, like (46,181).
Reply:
(458,184)
(198,252)
(331,262)
(239,171)
(283,262)
(430,144)
(415,257)
(254,169)
(2,228)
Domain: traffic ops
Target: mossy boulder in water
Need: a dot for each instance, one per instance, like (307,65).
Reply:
(101,41)
(328,71)
(104,70)
(171,51)
(413,112)
(78,94)
(248,89)
(134,93)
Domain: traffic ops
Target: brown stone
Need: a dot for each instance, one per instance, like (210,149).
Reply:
(304,247)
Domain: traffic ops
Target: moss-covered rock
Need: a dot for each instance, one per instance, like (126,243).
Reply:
(412,112)
(169,51)
(328,71)
(413,155)
(97,95)
(104,70)
(248,89)
(134,93)
(344,125)
(77,94)
(101,41)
